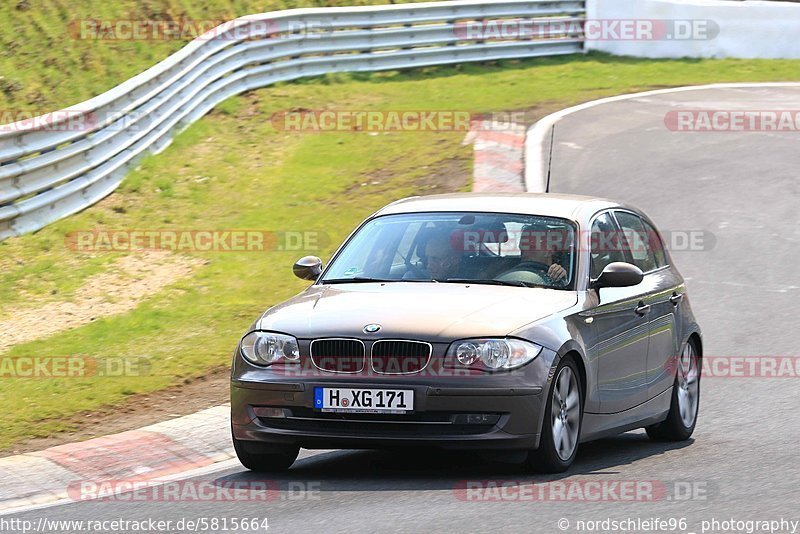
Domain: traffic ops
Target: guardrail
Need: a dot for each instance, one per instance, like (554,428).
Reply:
(63,162)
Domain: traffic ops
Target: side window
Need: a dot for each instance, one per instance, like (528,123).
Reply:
(606,245)
(639,240)
(656,244)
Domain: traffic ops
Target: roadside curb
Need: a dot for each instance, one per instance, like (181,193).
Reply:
(498,156)
(149,453)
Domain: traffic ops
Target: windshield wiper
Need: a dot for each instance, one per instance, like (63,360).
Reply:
(491,282)
(356,280)
(366,279)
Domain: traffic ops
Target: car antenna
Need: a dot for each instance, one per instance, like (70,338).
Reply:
(550,157)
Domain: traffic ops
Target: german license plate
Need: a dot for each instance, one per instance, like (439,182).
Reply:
(364,400)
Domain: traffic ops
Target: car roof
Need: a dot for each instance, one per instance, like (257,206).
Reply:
(573,207)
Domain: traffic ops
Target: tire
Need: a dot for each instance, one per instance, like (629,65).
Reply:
(557,450)
(685,404)
(265,458)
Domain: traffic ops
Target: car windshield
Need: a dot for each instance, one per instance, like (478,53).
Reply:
(478,248)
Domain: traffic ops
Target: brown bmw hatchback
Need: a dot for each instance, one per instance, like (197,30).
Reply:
(527,322)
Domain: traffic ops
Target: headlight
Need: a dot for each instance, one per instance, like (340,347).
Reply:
(493,354)
(266,348)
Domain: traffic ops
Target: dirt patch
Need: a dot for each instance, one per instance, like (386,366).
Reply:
(130,280)
(137,411)
(449,175)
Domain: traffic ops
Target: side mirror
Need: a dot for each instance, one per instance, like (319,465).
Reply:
(618,274)
(308,268)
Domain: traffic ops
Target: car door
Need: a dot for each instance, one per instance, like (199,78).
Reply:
(665,293)
(620,324)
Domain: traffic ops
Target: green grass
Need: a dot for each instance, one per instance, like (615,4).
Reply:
(233,170)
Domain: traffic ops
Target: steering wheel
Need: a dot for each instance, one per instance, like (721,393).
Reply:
(525,271)
(414,271)
(528,265)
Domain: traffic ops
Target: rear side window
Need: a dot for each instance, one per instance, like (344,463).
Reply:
(606,244)
(656,244)
(642,241)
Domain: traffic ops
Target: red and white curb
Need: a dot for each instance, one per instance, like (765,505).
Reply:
(154,452)
(498,155)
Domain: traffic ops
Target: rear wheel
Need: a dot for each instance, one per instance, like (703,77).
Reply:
(561,428)
(682,418)
(265,458)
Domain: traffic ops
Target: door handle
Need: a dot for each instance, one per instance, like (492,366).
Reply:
(642,309)
(676,298)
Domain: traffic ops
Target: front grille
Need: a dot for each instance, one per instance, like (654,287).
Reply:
(338,355)
(398,357)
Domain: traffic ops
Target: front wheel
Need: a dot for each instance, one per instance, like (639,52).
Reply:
(561,428)
(265,458)
(682,418)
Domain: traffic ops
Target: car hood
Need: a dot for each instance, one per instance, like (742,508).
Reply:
(413,310)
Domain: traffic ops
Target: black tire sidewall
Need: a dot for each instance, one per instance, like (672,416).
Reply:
(275,460)
(672,428)
(682,431)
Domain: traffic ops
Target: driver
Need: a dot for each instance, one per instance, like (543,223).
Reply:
(442,259)
(539,253)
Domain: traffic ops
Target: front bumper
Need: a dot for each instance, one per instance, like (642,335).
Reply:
(445,416)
